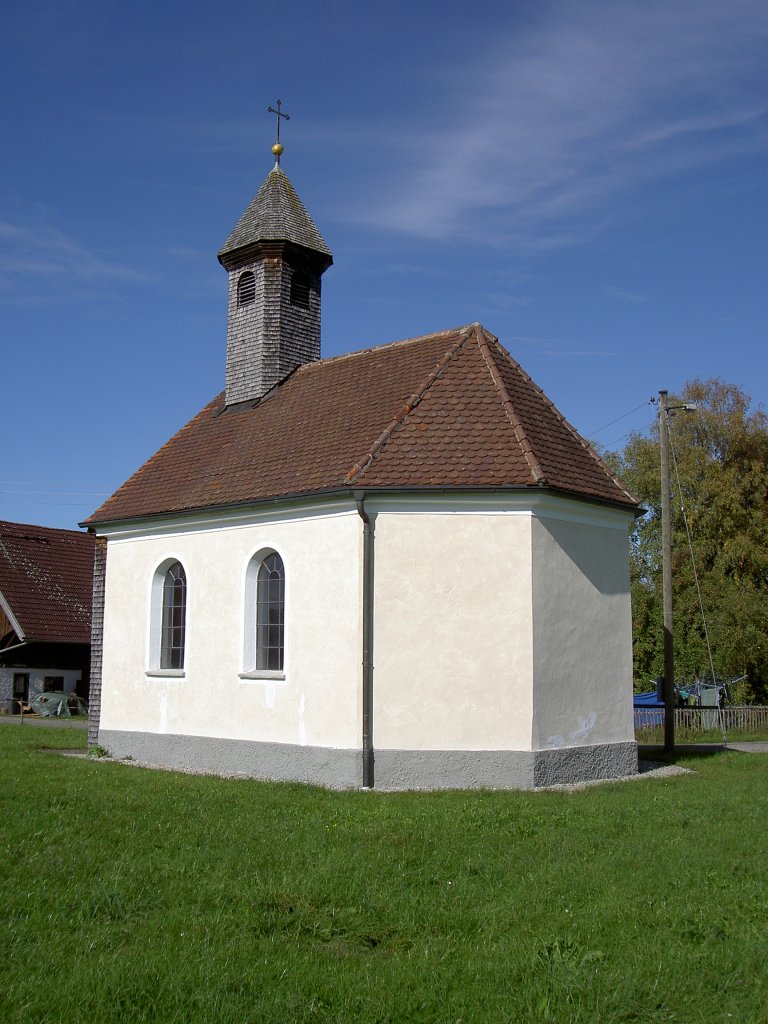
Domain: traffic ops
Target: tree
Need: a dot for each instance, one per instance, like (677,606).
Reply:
(719,468)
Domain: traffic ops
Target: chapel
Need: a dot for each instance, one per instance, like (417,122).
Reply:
(396,568)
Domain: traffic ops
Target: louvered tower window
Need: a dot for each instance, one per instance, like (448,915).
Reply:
(246,288)
(300,290)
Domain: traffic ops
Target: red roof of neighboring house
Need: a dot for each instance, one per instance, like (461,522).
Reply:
(452,410)
(46,580)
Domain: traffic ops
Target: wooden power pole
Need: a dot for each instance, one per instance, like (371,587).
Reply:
(666,555)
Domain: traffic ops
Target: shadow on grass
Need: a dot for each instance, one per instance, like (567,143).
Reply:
(681,751)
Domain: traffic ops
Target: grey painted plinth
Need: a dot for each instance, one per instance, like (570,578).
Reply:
(393,769)
(210,755)
(502,769)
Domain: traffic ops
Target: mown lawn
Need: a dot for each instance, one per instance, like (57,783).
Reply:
(134,895)
(655,736)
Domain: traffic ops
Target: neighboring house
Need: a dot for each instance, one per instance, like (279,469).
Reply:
(400,567)
(46,580)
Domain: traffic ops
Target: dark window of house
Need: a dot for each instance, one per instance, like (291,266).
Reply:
(270,613)
(53,684)
(300,291)
(246,288)
(174,617)
(21,686)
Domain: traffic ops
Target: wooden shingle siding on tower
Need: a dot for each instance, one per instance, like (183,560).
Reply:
(97,639)
(270,337)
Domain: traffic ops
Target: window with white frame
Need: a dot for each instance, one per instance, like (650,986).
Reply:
(264,632)
(168,619)
(174,617)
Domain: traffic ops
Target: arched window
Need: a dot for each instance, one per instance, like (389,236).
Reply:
(300,290)
(264,617)
(174,615)
(270,613)
(246,288)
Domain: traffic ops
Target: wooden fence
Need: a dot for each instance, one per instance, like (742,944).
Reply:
(743,718)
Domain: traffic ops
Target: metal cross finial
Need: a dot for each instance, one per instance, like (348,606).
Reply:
(277,149)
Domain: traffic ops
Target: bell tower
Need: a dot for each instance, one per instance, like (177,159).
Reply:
(274,259)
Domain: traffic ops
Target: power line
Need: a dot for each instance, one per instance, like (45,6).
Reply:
(63,494)
(619,418)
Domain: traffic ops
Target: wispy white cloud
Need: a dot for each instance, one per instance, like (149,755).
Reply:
(623,293)
(39,263)
(42,253)
(560,118)
(578,354)
(504,301)
(557,347)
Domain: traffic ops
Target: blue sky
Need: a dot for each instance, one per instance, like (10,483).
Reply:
(587,178)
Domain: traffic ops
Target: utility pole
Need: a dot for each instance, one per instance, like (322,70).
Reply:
(666,561)
(666,557)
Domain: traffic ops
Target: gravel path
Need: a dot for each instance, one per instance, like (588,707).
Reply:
(646,770)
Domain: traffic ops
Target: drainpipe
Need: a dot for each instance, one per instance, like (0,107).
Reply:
(359,497)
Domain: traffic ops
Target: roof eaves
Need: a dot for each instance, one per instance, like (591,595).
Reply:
(347,490)
(516,423)
(410,404)
(11,617)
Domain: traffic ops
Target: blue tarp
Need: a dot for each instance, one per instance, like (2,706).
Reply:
(647,700)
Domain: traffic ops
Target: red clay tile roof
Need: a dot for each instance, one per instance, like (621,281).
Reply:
(46,579)
(446,410)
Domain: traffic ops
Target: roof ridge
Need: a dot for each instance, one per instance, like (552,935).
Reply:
(410,403)
(307,367)
(568,426)
(30,528)
(516,423)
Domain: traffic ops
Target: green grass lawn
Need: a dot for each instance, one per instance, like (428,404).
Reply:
(133,895)
(705,736)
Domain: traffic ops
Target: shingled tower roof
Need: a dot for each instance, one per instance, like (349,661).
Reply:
(447,411)
(275,214)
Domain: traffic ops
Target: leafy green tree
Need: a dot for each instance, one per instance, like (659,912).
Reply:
(719,470)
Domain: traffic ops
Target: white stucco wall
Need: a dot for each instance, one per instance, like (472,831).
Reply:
(501,623)
(453,637)
(582,628)
(318,702)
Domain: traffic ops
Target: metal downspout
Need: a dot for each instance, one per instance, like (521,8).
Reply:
(368,758)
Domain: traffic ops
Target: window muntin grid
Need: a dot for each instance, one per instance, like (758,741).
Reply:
(173,617)
(270,614)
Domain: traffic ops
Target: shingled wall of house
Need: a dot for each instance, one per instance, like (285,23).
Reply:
(97,638)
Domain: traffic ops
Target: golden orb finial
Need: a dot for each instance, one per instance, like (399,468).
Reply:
(277,149)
